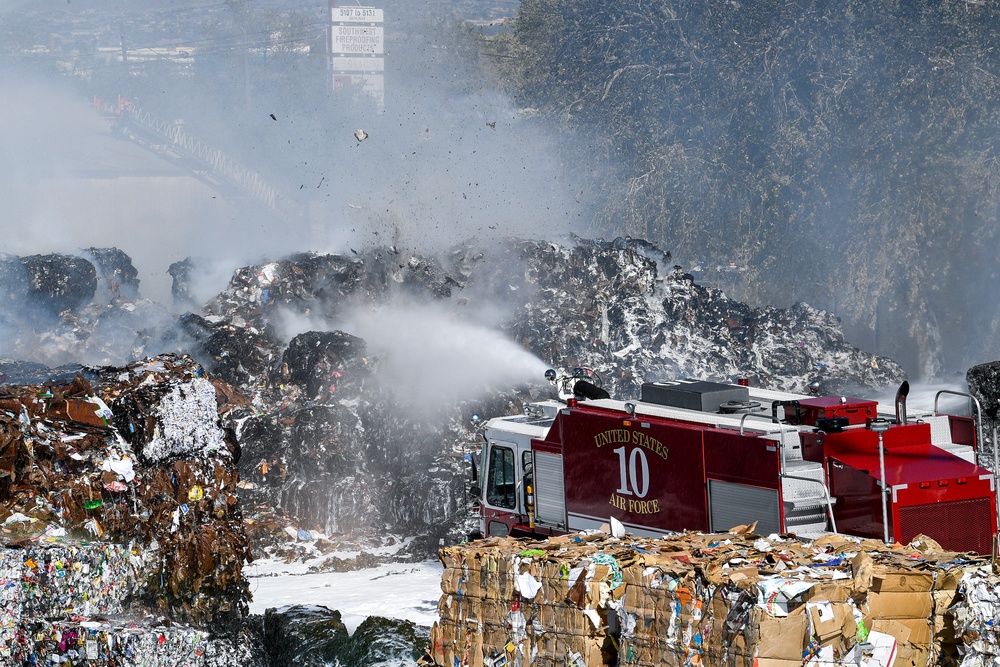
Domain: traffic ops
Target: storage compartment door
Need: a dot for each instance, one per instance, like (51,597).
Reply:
(550,494)
(738,504)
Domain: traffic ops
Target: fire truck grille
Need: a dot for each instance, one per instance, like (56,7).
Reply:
(957,525)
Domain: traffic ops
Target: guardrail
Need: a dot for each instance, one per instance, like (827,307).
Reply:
(215,159)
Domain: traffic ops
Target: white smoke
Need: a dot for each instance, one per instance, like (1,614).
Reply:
(430,355)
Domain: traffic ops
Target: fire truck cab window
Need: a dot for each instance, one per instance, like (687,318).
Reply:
(500,482)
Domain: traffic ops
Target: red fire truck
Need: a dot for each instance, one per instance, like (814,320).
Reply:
(707,456)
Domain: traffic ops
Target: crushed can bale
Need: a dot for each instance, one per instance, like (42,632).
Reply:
(106,643)
(713,599)
(64,601)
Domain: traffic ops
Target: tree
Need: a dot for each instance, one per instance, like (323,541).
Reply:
(833,148)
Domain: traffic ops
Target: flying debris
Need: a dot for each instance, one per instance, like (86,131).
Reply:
(493,125)
(360,134)
(273,117)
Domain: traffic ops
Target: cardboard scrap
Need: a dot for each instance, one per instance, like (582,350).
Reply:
(711,599)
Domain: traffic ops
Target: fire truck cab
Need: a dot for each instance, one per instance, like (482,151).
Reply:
(707,456)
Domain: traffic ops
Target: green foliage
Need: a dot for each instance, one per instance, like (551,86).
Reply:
(850,146)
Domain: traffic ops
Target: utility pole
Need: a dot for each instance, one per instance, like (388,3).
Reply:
(126,86)
(121,31)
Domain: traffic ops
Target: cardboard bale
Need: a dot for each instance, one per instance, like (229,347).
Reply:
(830,621)
(554,589)
(898,580)
(451,580)
(447,608)
(949,579)
(944,628)
(559,647)
(694,593)
(919,630)
(437,645)
(642,653)
(495,637)
(564,619)
(633,576)
(638,596)
(944,599)
(678,617)
(783,638)
(645,623)
(451,557)
(840,590)
(474,650)
(899,604)
(597,593)
(473,586)
(913,655)
(664,651)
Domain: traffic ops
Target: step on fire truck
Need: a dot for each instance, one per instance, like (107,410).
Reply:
(706,456)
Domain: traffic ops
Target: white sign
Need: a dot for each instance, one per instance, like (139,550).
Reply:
(348,64)
(370,85)
(358,39)
(357,15)
(373,84)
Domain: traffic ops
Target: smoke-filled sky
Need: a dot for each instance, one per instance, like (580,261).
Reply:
(446,159)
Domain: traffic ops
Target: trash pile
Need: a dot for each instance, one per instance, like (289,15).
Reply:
(313,409)
(714,599)
(620,308)
(60,309)
(976,620)
(330,439)
(135,456)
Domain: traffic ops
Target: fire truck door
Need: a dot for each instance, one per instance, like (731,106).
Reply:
(501,478)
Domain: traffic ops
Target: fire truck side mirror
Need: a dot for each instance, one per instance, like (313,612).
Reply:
(475,492)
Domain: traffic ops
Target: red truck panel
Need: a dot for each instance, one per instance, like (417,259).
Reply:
(646,473)
(741,459)
(859,507)
(963,430)
(933,492)
(897,438)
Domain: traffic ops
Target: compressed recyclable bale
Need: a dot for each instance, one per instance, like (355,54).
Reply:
(107,644)
(711,599)
(134,455)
